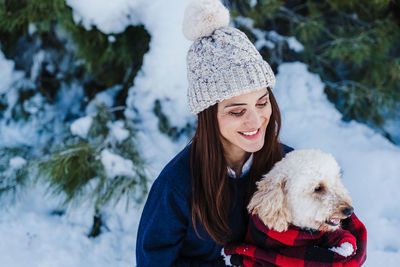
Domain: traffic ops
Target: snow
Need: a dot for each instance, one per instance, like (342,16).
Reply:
(294,44)
(105,98)
(273,36)
(115,165)
(253,3)
(69,98)
(34,104)
(17,162)
(81,126)
(34,237)
(37,62)
(6,72)
(393,127)
(162,77)
(345,249)
(31,29)
(37,238)
(112,39)
(15,133)
(117,131)
(107,16)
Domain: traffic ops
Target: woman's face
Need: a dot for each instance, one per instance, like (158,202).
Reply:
(243,121)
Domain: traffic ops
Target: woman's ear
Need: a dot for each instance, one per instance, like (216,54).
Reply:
(269,201)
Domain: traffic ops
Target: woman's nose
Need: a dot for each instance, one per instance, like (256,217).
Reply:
(253,119)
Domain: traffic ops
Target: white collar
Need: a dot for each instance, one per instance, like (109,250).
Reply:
(245,169)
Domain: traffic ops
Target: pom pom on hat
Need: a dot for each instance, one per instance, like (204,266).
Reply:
(203,17)
(226,65)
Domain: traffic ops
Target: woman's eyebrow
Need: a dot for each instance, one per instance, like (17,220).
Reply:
(267,93)
(234,105)
(242,104)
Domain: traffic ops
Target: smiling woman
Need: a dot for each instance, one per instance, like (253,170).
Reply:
(198,203)
(243,121)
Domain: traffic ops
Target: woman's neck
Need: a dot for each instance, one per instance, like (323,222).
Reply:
(236,161)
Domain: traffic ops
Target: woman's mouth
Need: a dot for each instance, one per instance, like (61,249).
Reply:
(251,134)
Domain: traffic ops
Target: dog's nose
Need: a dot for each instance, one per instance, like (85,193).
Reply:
(347,211)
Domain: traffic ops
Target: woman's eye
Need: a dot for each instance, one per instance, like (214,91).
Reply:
(263,104)
(237,114)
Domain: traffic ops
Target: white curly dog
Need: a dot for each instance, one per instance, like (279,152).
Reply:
(303,189)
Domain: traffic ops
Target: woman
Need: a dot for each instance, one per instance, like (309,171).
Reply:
(198,202)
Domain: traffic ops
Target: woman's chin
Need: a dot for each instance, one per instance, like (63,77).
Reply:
(253,147)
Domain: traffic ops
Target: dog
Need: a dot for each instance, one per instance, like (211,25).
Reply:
(303,193)
(303,189)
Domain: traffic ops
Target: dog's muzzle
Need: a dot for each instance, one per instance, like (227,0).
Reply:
(335,221)
(347,211)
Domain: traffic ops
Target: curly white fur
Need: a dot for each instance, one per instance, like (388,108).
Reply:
(303,189)
(203,17)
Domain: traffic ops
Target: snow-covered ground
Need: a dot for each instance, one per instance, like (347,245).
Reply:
(31,236)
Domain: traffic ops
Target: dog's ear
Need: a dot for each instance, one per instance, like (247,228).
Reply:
(269,201)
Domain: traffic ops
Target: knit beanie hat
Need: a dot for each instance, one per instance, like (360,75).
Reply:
(221,62)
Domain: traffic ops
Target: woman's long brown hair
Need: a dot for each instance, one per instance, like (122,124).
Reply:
(210,188)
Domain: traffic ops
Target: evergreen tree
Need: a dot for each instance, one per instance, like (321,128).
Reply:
(13,171)
(353,45)
(64,68)
(79,168)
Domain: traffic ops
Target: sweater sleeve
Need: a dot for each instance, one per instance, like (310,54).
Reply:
(162,226)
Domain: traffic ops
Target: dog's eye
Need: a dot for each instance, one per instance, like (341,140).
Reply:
(319,189)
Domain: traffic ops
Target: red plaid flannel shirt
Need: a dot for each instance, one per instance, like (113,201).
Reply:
(265,247)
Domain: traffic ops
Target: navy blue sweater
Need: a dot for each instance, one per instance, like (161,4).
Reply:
(166,236)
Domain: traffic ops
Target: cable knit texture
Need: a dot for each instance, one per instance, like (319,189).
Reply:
(222,62)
